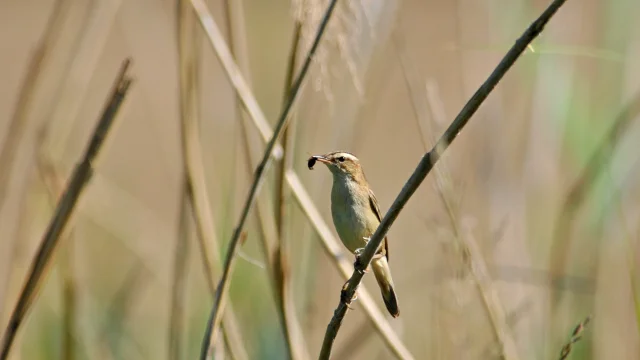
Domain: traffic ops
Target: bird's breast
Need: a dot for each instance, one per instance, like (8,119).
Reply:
(352,215)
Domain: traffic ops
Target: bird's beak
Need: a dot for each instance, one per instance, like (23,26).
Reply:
(312,161)
(322,159)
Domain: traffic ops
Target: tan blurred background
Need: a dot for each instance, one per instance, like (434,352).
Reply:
(503,185)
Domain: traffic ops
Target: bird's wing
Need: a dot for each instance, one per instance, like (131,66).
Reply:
(373,203)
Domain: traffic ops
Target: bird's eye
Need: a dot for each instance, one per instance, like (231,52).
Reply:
(341,159)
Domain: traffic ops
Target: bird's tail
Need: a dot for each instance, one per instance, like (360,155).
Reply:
(383,276)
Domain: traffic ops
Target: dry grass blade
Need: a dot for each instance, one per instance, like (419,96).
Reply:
(259,175)
(196,185)
(469,247)
(581,187)
(179,286)
(18,122)
(335,252)
(19,119)
(65,208)
(70,94)
(489,295)
(576,335)
(288,135)
(426,165)
(282,270)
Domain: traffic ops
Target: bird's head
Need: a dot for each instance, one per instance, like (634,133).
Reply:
(340,163)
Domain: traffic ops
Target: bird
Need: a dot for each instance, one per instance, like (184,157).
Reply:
(356,216)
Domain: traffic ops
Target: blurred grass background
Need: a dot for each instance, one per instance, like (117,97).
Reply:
(560,243)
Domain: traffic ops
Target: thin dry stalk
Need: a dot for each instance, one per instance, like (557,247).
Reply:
(179,286)
(214,319)
(282,273)
(17,125)
(469,248)
(576,335)
(191,149)
(490,299)
(194,170)
(287,137)
(424,167)
(65,209)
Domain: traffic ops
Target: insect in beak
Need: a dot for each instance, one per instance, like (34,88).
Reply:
(312,161)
